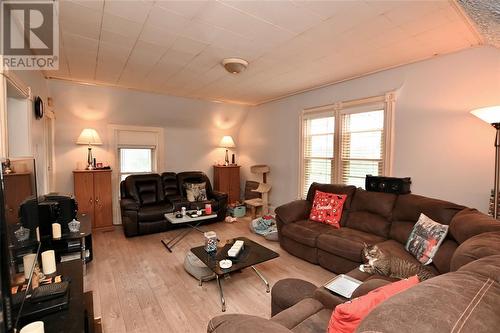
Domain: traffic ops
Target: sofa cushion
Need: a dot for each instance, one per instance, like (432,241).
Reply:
(408,208)
(370,223)
(334,188)
(296,314)
(347,316)
(327,208)
(169,181)
(305,231)
(346,242)
(317,323)
(154,212)
(474,248)
(426,238)
(442,258)
(469,222)
(371,212)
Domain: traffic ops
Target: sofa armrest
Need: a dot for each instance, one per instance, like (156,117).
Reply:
(470,222)
(129,204)
(129,222)
(219,195)
(240,323)
(477,247)
(293,211)
(327,298)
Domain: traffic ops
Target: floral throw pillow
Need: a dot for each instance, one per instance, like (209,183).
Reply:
(196,191)
(425,239)
(327,208)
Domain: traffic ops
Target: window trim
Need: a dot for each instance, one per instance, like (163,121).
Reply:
(338,108)
(113,132)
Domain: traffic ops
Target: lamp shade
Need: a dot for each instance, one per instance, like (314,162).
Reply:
(227,142)
(89,136)
(490,114)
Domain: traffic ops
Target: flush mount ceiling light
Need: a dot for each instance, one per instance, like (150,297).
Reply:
(234,65)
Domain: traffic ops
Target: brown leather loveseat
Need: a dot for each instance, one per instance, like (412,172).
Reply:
(145,199)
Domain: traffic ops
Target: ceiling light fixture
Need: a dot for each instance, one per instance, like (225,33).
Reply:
(234,65)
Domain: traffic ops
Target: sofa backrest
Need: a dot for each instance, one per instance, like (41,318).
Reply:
(408,208)
(337,189)
(145,189)
(169,181)
(371,212)
(193,177)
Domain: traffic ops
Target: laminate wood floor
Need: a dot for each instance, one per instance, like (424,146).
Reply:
(139,286)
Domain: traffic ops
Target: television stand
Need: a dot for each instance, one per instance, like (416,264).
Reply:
(79,315)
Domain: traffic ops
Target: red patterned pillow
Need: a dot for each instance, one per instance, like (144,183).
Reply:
(327,208)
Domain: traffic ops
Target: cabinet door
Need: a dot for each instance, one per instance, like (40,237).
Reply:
(17,188)
(103,214)
(234,181)
(84,193)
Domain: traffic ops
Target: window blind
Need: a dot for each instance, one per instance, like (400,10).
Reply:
(347,142)
(362,146)
(318,148)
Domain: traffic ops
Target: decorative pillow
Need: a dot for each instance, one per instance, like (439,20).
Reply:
(425,239)
(347,316)
(327,208)
(196,191)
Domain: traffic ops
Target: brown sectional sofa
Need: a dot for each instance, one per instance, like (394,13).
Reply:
(373,218)
(469,256)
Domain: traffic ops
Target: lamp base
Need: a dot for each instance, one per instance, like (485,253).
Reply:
(226,161)
(90,165)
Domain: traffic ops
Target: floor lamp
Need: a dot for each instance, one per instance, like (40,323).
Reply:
(491,115)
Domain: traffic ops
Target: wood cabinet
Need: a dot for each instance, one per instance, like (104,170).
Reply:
(18,187)
(227,180)
(93,194)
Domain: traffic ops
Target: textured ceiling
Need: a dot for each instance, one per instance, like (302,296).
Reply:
(175,47)
(486,15)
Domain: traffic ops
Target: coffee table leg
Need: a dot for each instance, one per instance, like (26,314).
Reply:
(223,301)
(262,278)
(178,237)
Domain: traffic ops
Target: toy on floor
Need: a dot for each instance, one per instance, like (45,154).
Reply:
(262,189)
(265,226)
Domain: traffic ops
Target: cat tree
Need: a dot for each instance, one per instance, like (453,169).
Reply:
(263,189)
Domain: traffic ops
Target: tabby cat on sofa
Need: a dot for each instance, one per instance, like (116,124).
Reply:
(391,266)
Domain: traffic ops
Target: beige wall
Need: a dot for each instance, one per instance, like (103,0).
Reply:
(193,128)
(447,152)
(38,85)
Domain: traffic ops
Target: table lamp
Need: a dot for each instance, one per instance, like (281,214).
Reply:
(491,115)
(227,142)
(89,137)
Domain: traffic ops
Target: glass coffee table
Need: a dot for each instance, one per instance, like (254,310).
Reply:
(192,222)
(251,255)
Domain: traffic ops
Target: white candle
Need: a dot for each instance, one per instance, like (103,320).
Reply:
(28,261)
(49,262)
(35,327)
(56,230)
(37,234)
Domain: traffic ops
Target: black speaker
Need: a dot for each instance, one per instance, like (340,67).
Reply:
(388,184)
(48,213)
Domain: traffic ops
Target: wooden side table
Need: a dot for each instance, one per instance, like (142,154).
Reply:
(227,180)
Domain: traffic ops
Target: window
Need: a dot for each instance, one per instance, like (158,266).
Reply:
(346,142)
(135,161)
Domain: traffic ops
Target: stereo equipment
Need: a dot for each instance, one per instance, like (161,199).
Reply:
(388,184)
(48,213)
(68,208)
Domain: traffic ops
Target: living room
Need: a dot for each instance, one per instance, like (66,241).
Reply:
(161,85)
